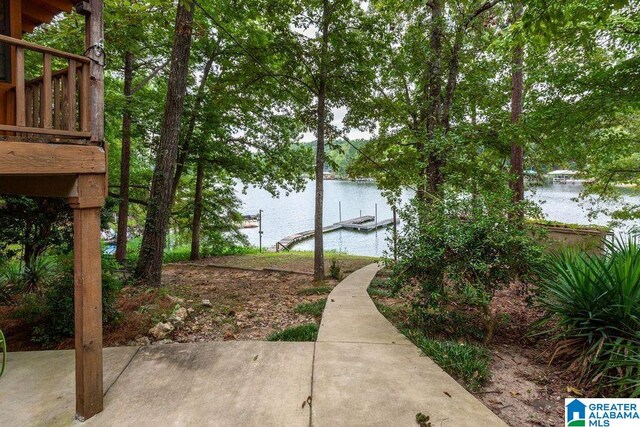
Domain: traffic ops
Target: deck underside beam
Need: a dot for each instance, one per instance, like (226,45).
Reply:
(64,186)
(23,158)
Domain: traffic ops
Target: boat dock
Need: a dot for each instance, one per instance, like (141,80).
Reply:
(364,224)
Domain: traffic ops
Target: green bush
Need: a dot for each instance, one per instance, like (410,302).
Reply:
(42,272)
(468,363)
(11,281)
(335,269)
(51,311)
(314,308)
(592,310)
(306,332)
(457,252)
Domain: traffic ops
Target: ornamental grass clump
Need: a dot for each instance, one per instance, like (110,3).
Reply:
(592,310)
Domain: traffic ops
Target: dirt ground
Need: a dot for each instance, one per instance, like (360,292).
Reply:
(242,304)
(524,388)
(245,305)
(252,304)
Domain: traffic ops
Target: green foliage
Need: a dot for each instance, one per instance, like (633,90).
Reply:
(316,290)
(30,226)
(16,277)
(468,363)
(455,253)
(314,308)
(11,280)
(306,332)
(380,287)
(423,420)
(592,306)
(335,269)
(51,311)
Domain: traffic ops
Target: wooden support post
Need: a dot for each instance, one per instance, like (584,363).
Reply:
(93,43)
(87,252)
(88,294)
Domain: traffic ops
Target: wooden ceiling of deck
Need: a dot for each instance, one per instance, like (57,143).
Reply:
(37,12)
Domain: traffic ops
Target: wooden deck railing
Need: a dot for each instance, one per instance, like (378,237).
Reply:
(54,104)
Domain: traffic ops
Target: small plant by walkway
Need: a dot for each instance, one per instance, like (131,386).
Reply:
(314,308)
(306,332)
(316,290)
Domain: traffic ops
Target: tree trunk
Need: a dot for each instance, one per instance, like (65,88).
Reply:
(432,172)
(318,260)
(186,141)
(197,213)
(125,161)
(517,89)
(149,268)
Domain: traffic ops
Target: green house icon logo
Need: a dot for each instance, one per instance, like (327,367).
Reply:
(576,414)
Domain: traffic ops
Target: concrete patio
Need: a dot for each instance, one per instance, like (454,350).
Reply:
(361,372)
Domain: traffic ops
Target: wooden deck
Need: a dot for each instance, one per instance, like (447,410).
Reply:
(365,224)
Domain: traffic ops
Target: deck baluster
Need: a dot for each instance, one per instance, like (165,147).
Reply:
(46,103)
(21,107)
(71,94)
(29,108)
(57,103)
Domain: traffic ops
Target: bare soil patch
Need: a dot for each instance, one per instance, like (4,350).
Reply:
(242,304)
(245,305)
(524,388)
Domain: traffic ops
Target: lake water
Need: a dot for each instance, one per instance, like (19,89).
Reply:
(294,213)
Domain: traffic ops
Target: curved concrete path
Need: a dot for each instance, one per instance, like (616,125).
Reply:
(366,373)
(360,372)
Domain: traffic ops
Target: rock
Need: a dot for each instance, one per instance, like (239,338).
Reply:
(141,341)
(165,341)
(161,330)
(206,303)
(178,317)
(190,310)
(176,300)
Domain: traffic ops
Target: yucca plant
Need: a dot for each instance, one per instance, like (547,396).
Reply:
(592,310)
(39,274)
(11,280)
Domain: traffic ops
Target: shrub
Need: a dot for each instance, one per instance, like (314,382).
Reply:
(335,269)
(16,277)
(39,274)
(51,312)
(11,280)
(592,310)
(306,332)
(455,253)
(314,308)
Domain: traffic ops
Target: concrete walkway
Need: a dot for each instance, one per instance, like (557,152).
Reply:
(361,372)
(366,373)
